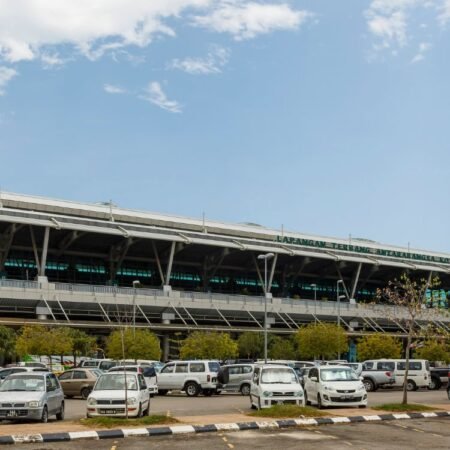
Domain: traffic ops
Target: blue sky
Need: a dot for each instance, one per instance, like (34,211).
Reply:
(327,117)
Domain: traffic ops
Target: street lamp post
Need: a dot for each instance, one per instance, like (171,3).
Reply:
(265,257)
(314,286)
(135,285)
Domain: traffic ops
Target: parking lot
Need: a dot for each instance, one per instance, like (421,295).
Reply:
(178,405)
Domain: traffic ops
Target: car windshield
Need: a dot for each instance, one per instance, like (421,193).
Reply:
(96,372)
(15,383)
(115,382)
(344,374)
(278,375)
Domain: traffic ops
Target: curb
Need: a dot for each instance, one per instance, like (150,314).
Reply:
(187,429)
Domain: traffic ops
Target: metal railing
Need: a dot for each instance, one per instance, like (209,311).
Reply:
(19,284)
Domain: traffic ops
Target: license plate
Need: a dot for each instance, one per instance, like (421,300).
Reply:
(107,411)
(11,414)
(348,397)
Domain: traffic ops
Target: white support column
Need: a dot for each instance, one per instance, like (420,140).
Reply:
(169,264)
(44,252)
(355,281)
(259,273)
(35,250)
(343,282)
(272,272)
(158,263)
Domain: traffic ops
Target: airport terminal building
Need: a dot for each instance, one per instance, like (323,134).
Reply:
(97,265)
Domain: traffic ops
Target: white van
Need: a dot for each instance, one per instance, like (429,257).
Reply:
(334,386)
(419,375)
(274,384)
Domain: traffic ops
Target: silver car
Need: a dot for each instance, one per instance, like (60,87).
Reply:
(235,378)
(31,396)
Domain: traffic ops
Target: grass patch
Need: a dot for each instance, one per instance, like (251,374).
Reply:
(399,407)
(288,411)
(112,422)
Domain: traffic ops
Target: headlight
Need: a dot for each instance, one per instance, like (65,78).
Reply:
(267,394)
(91,401)
(131,401)
(328,388)
(299,394)
(362,387)
(34,404)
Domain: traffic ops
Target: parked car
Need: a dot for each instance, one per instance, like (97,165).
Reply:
(148,371)
(334,386)
(78,382)
(378,373)
(274,384)
(302,374)
(357,367)
(29,364)
(439,377)
(12,370)
(192,377)
(31,396)
(110,398)
(448,388)
(102,364)
(235,378)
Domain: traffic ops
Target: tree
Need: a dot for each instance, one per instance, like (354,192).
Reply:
(378,346)
(129,343)
(62,341)
(322,340)
(251,345)
(281,348)
(409,298)
(208,345)
(7,343)
(434,351)
(82,344)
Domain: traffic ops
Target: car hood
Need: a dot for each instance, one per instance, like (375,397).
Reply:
(20,397)
(344,385)
(281,387)
(111,394)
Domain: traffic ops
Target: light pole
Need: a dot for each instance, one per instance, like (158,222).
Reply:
(265,257)
(314,286)
(338,298)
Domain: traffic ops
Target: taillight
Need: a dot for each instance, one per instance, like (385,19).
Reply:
(140,369)
(388,374)
(208,378)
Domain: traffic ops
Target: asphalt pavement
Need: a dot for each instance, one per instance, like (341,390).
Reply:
(397,435)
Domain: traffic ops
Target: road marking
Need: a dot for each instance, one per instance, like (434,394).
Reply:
(348,443)
(437,435)
(318,432)
(230,445)
(225,439)
(419,431)
(113,447)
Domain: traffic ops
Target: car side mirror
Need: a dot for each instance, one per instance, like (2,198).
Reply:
(313,379)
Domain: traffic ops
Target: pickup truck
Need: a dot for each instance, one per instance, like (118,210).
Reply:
(439,377)
(376,374)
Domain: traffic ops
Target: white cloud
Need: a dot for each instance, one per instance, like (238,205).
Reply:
(420,56)
(246,20)
(214,61)
(445,12)
(29,28)
(52,60)
(6,75)
(112,89)
(91,26)
(154,94)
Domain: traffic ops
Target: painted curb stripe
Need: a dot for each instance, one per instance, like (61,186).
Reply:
(186,429)
(110,434)
(163,431)
(205,428)
(55,437)
(247,426)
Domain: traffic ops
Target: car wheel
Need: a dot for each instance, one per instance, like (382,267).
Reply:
(60,415)
(434,385)
(259,403)
(252,405)
(69,396)
(319,402)
(44,415)
(192,389)
(162,392)
(245,389)
(411,386)
(140,412)
(307,402)
(85,393)
(147,411)
(362,406)
(217,392)
(207,392)
(369,385)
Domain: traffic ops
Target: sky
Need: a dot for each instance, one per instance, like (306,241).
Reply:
(324,117)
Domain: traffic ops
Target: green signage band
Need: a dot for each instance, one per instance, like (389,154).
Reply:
(361,249)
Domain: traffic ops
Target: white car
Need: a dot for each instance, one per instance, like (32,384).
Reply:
(149,373)
(274,384)
(334,386)
(110,398)
(193,377)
